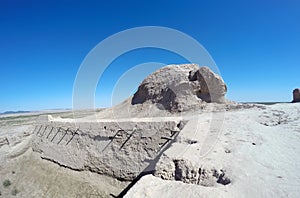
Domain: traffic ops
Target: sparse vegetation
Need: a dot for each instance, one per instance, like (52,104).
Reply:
(6,183)
(14,192)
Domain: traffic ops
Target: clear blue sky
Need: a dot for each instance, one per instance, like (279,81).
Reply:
(256,45)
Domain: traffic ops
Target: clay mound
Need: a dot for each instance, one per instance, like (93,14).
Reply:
(296,95)
(179,88)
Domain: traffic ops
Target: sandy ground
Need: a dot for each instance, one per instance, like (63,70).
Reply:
(33,177)
(258,148)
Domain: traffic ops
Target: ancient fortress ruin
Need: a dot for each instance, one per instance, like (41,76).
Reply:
(126,147)
(103,146)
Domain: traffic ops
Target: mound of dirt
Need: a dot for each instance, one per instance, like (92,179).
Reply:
(179,88)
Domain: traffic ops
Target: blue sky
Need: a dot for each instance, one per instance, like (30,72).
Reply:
(255,45)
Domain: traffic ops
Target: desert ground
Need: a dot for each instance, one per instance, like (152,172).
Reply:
(257,148)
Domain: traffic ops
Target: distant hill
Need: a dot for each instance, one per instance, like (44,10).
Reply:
(13,112)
